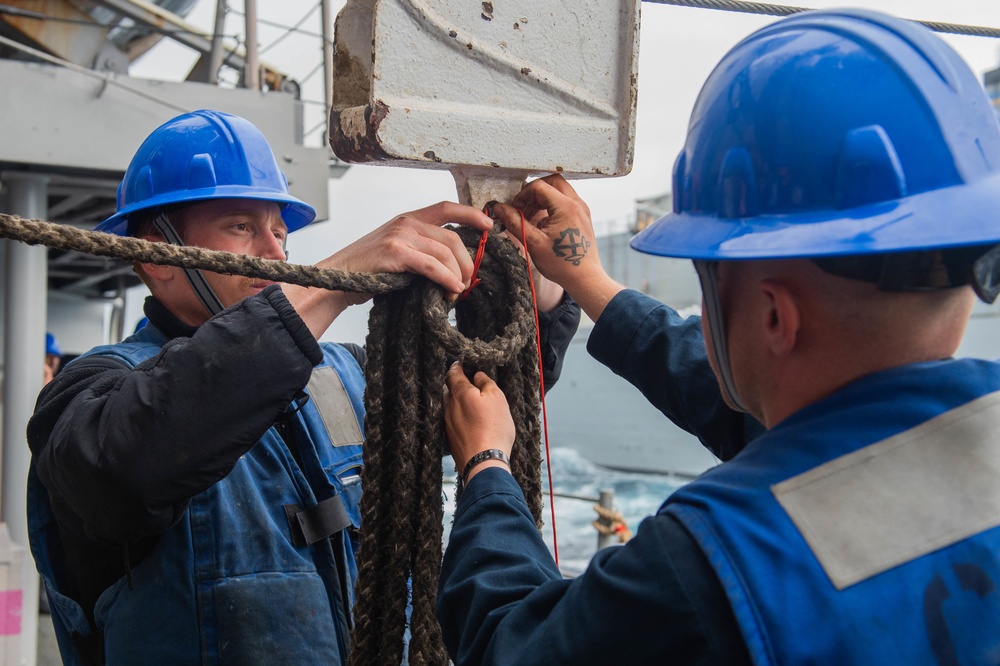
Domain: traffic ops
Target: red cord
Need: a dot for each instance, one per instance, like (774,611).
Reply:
(541,388)
(480,251)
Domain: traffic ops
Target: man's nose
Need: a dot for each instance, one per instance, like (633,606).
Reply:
(274,247)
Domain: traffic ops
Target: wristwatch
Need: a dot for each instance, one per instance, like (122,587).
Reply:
(481,457)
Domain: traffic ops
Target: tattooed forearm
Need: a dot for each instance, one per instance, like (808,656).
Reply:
(571,246)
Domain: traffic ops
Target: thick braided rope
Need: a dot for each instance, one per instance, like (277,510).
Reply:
(479,322)
(768,9)
(410,345)
(64,237)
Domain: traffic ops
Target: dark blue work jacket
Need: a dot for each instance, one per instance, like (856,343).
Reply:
(233,581)
(864,528)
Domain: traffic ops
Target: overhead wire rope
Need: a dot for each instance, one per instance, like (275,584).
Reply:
(291,29)
(312,72)
(768,9)
(275,24)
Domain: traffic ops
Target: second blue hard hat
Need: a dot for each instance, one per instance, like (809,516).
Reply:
(830,133)
(200,156)
(52,345)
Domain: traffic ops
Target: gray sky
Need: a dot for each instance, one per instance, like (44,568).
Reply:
(678,49)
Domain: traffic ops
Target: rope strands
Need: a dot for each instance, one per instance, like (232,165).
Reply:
(410,345)
(64,237)
(767,9)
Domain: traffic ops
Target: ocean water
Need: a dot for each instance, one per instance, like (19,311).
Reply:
(636,496)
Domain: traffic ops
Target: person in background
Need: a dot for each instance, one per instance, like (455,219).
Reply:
(837,194)
(53,356)
(194,489)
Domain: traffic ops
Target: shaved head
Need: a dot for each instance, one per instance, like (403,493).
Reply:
(796,333)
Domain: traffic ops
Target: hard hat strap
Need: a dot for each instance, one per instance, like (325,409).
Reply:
(986,275)
(708,275)
(197,279)
(923,270)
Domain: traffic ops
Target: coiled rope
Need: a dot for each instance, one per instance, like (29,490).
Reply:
(410,345)
(405,436)
(768,9)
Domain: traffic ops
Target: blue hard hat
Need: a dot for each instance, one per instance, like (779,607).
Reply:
(52,345)
(834,133)
(200,156)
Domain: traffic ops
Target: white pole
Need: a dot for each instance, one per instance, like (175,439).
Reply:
(215,56)
(24,327)
(251,73)
(607,501)
(326,14)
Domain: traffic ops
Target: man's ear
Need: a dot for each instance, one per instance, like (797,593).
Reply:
(155,271)
(158,273)
(783,318)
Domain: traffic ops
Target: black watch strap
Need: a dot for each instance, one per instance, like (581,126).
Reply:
(481,457)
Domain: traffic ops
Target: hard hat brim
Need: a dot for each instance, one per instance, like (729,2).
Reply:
(961,215)
(295,212)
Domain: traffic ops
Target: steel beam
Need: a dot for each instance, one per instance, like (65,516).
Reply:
(149,15)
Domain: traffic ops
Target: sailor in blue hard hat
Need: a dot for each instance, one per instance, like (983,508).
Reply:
(189,163)
(53,357)
(200,169)
(838,195)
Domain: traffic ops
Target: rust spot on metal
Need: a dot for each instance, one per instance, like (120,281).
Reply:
(469,46)
(487,11)
(354,133)
(517,26)
(431,156)
(526,70)
(559,169)
(351,80)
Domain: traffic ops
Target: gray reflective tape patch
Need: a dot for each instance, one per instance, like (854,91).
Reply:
(330,397)
(893,501)
(317,522)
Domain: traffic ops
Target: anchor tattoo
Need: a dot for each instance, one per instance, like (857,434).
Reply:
(571,246)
